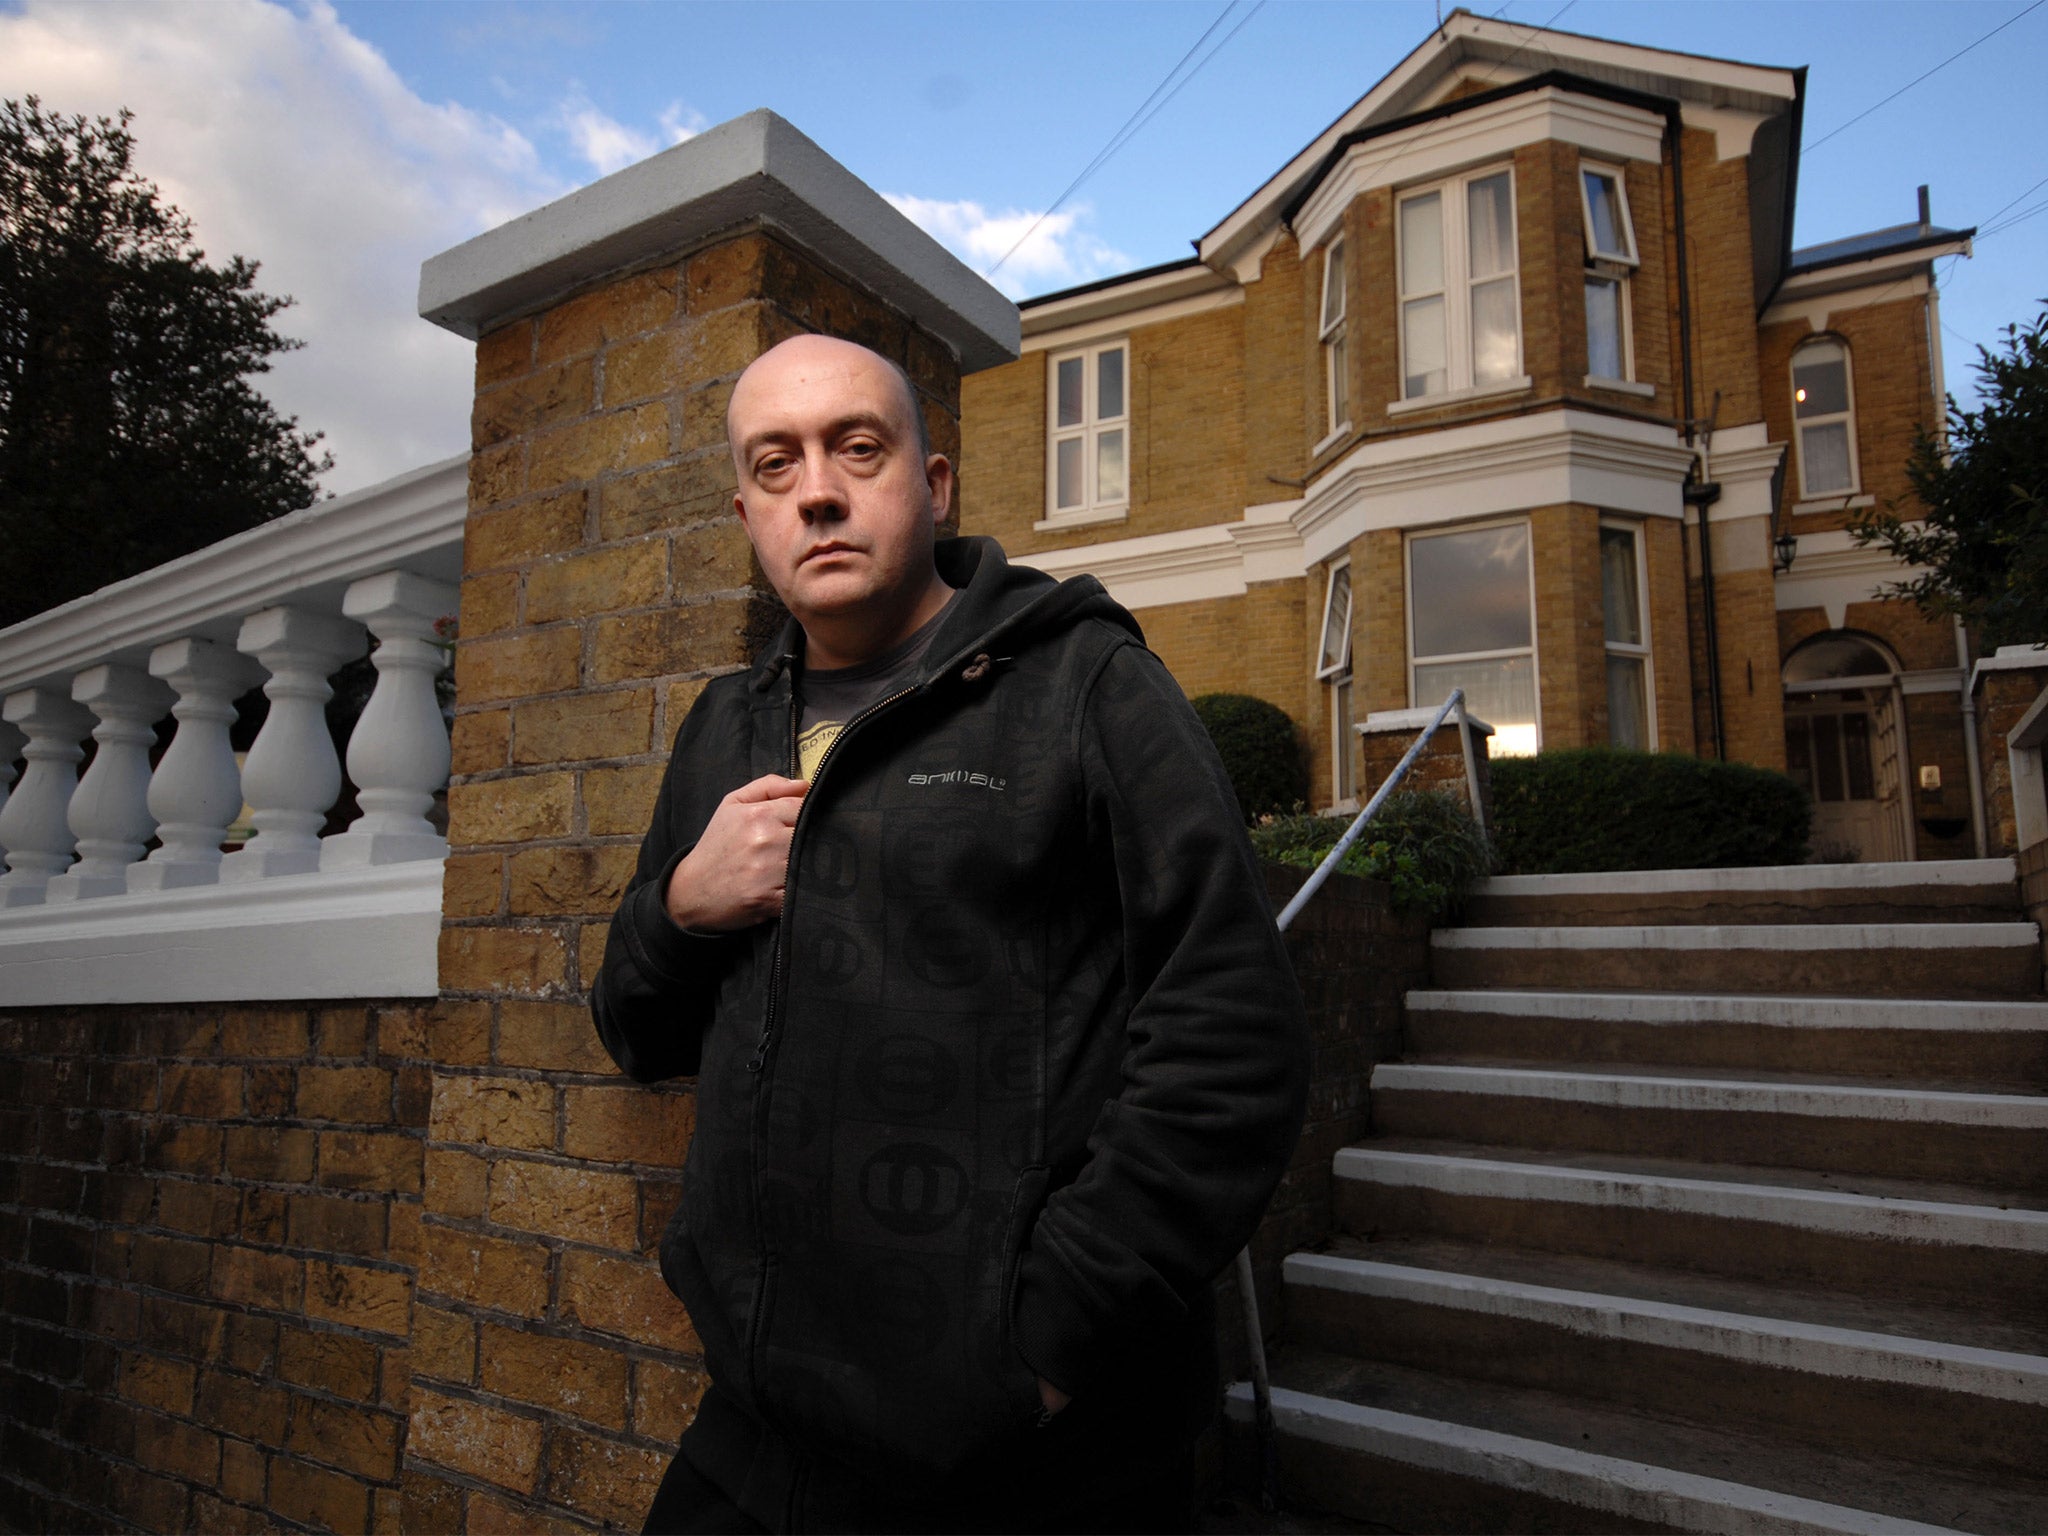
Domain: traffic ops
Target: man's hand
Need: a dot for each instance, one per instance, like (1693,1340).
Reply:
(733,878)
(1051,1397)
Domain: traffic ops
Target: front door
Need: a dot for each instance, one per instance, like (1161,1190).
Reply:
(1843,749)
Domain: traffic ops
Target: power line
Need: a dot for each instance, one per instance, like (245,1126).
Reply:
(2037,186)
(1137,120)
(1534,31)
(1944,64)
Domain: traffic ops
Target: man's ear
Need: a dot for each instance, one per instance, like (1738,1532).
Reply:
(938,474)
(739,505)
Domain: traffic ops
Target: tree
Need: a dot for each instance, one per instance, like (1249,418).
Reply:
(1984,542)
(129,431)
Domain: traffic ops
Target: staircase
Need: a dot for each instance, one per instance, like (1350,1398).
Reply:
(1702,1201)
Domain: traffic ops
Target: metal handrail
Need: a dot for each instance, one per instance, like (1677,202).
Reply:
(1255,1337)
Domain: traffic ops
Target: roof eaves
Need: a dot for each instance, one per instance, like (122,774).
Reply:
(1102,283)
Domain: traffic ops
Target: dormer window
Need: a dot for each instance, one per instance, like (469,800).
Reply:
(1461,323)
(1610,258)
(1336,387)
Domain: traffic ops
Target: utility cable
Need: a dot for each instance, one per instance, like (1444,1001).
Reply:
(1138,119)
(1944,64)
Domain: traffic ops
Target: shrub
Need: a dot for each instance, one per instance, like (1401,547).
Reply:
(1422,842)
(1260,752)
(1598,808)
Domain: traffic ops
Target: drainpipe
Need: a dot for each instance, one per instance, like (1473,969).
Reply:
(1978,831)
(1703,493)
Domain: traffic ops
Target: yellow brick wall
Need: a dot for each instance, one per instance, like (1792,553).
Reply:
(1723,291)
(1670,636)
(1249,644)
(1571,653)
(1275,387)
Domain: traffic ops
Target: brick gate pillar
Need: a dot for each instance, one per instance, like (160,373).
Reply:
(605,580)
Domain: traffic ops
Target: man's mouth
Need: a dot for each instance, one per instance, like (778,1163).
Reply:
(829,547)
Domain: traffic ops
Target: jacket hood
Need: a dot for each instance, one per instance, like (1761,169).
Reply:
(1001,605)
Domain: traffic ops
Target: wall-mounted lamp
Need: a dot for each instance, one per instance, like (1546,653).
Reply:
(1787,549)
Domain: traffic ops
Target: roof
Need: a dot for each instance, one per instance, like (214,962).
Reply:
(1890,241)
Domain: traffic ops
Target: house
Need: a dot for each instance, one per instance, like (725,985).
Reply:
(1439,405)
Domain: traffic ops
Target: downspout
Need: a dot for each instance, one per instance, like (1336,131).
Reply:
(1702,493)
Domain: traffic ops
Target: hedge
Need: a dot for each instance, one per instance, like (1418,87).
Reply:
(1598,808)
(1422,842)
(1260,752)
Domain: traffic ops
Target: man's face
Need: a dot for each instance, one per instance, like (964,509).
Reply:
(835,492)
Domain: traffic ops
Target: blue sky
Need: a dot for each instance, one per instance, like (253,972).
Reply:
(341,144)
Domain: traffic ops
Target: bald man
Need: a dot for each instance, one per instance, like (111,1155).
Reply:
(948,907)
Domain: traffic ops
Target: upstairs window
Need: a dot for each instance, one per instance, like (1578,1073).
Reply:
(1336,386)
(1461,324)
(1824,406)
(1088,433)
(1610,258)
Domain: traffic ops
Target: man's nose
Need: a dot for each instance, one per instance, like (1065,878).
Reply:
(822,493)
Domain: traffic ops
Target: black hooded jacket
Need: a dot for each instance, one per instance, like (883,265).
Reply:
(1005,1087)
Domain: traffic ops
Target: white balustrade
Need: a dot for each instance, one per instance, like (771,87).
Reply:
(197,789)
(109,811)
(33,828)
(398,754)
(10,748)
(292,775)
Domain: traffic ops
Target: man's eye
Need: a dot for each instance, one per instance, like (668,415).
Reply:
(861,448)
(774,463)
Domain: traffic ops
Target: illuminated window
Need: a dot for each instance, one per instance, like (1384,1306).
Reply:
(1824,405)
(1088,432)
(1470,604)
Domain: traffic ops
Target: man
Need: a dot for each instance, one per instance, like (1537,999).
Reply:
(948,905)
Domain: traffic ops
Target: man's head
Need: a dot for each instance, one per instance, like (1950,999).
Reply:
(839,491)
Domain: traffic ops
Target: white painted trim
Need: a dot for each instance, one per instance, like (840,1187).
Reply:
(1831,570)
(410,522)
(369,932)
(1121,514)
(1832,1101)
(1854,284)
(1621,386)
(2011,658)
(1330,439)
(1464,140)
(1189,565)
(1499,467)
(1120,321)
(1797,938)
(1126,301)
(1521,383)
(1687,1010)
(1769,877)
(1777,1343)
(1933,1222)
(1835,503)
(1635,1493)
(1409,721)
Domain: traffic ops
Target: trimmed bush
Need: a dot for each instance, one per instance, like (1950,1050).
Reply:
(1422,842)
(1599,808)
(1260,752)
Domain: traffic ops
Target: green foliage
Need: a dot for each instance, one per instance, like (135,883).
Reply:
(1985,538)
(1597,808)
(129,432)
(1260,752)
(1422,842)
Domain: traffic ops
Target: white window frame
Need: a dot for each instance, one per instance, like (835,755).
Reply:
(1642,651)
(1846,417)
(1093,509)
(1332,332)
(1337,675)
(1617,267)
(1533,650)
(1457,279)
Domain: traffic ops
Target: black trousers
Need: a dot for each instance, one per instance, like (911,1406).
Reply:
(1157,1501)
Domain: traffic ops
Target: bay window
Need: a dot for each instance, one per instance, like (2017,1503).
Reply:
(1471,602)
(1088,433)
(1610,258)
(1824,405)
(1460,286)
(1629,707)
(1336,384)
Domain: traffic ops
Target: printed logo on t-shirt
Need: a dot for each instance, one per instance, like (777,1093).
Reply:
(813,744)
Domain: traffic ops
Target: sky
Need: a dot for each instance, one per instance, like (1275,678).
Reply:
(341,144)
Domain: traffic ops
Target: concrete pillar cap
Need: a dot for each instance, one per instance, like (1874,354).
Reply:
(754,170)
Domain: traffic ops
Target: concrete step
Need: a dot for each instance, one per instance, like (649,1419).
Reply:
(1893,1130)
(1980,1041)
(1919,1243)
(1416,1451)
(1949,890)
(1832,959)
(1959,1406)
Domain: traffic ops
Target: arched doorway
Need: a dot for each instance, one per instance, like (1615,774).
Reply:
(1844,743)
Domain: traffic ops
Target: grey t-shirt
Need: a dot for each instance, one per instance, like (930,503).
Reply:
(827,699)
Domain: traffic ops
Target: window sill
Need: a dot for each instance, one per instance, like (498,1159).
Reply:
(1621,386)
(1835,503)
(1061,520)
(1514,386)
(1330,439)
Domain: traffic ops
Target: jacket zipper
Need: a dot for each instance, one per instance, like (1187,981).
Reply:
(759,1060)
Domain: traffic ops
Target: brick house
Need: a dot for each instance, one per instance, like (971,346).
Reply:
(1437,405)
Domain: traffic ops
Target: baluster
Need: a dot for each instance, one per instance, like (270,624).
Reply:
(398,754)
(292,774)
(10,748)
(33,828)
(197,788)
(110,808)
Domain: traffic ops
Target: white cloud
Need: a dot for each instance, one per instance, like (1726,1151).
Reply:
(1056,253)
(604,143)
(679,123)
(290,140)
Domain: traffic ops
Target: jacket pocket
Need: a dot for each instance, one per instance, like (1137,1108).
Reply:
(1025,1207)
